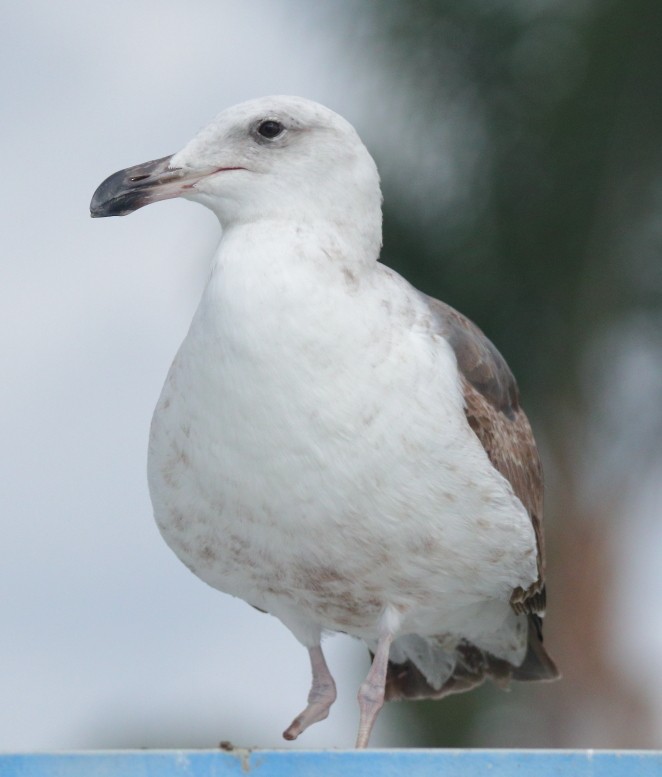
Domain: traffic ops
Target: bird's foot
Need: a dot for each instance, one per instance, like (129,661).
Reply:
(371,700)
(321,696)
(372,690)
(319,703)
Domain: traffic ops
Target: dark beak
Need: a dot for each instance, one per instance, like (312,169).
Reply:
(130,189)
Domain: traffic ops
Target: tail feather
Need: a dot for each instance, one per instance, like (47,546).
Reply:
(538,665)
(472,667)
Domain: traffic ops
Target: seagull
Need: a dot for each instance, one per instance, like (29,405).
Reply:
(332,445)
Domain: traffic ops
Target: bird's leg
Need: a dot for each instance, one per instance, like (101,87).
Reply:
(321,697)
(371,692)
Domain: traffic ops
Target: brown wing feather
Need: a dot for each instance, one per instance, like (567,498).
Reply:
(494,413)
(511,448)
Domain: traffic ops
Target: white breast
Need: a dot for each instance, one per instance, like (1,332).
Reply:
(310,454)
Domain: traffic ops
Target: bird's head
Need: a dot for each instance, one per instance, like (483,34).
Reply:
(274,157)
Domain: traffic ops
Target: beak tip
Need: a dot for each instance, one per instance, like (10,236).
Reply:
(101,212)
(127,190)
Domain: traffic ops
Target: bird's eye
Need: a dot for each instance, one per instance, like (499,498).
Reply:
(270,129)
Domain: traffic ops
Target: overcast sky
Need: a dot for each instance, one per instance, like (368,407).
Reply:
(108,640)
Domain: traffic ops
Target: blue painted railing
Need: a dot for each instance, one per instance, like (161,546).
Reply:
(336,763)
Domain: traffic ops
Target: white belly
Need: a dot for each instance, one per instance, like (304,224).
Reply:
(331,476)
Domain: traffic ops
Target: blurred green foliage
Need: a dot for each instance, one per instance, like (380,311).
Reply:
(567,97)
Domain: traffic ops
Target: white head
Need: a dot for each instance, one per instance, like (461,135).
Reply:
(282,158)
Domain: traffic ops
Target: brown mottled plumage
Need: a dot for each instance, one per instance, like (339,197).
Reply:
(493,411)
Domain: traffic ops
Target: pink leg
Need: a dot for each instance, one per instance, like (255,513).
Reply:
(371,692)
(321,697)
